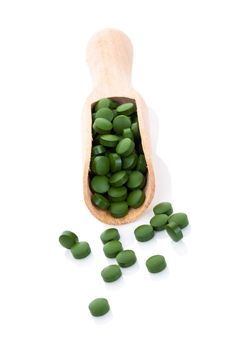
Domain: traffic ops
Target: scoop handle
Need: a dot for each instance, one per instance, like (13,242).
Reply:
(110,57)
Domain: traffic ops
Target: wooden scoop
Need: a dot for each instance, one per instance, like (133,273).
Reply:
(109,56)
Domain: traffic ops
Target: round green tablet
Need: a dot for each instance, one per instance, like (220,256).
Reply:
(80,250)
(105,113)
(67,239)
(174,231)
(163,208)
(156,263)
(98,150)
(115,162)
(118,179)
(112,248)
(126,258)
(126,108)
(127,133)
(99,307)
(136,180)
(100,201)
(101,165)
(125,147)
(130,162)
(117,194)
(119,209)
(104,102)
(100,184)
(111,273)
(159,222)
(135,130)
(181,219)
(144,233)
(120,123)
(109,140)
(102,126)
(136,198)
(141,164)
(110,234)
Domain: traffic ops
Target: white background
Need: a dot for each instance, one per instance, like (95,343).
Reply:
(183,67)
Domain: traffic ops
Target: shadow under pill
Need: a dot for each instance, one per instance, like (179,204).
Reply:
(162,174)
(179,247)
(116,285)
(85,261)
(103,319)
(126,271)
(163,275)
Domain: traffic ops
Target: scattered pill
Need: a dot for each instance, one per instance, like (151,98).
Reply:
(144,233)
(126,258)
(80,250)
(174,231)
(110,234)
(156,263)
(112,248)
(163,208)
(159,222)
(68,239)
(111,273)
(99,307)
(181,219)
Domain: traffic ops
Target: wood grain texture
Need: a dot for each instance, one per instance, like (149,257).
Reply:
(110,56)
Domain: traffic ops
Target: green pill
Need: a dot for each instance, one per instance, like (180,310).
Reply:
(119,209)
(111,234)
(102,126)
(126,108)
(163,208)
(68,239)
(98,150)
(136,198)
(111,273)
(125,147)
(112,248)
(126,258)
(136,180)
(100,201)
(99,307)
(117,194)
(181,219)
(100,184)
(159,222)
(115,162)
(101,165)
(144,233)
(135,130)
(118,179)
(105,113)
(174,231)
(127,133)
(141,164)
(130,162)
(104,102)
(109,140)
(80,250)
(156,263)
(120,123)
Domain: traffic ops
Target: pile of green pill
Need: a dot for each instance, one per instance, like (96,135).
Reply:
(163,219)
(118,169)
